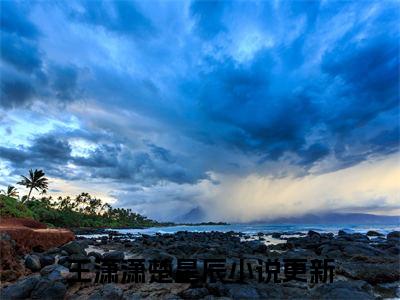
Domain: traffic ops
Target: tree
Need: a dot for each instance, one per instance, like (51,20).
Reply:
(35,181)
(10,192)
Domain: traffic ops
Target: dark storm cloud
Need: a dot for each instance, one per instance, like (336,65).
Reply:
(259,107)
(308,79)
(65,82)
(57,84)
(15,92)
(26,73)
(45,151)
(313,153)
(13,19)
(369,70)
(146,168)
(20,52)
(251,117)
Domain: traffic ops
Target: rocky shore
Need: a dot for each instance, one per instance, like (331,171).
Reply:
(366,266)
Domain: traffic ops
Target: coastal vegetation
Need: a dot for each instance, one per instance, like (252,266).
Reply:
(82,211)
(71,212)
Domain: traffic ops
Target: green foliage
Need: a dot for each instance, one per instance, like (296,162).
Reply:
(81,211)
(85,211)
(35,181)
(11,191)
(11,207)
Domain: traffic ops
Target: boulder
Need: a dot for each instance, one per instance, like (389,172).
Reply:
(194,293)
(276,235)
(357,249)
(157,255)
(47,289)
(394,235)
(313,235)
(113,255)
(21,289)
(109,292)
(63,260)
(55,272)
(372,273)
(256,246)
(53,250)
(46,260)
(78,257)
(241,291)
(73,247)
(96,255)
(374,233)
(343,290)
(32,262)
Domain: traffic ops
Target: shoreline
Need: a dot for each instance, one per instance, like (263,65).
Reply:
(366,266)
(246,228)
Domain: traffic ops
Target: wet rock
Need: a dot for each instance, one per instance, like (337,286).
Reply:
(113,255)
(63,260)
(96,255)
(73,247)
(32,262)
(374,233)
(80,256)
(49,290)
(313,235)
(217,289)
(157,255)
(354,237)
(194,293)
(240,291)
(372,273)
(53,250)
(21,289)
(46,260)
(55,272)
(276,235)
(130,295)
(109,292)
(356,249)
(395,249)
(343,290)
(84,243)
(257,246)
(394,235)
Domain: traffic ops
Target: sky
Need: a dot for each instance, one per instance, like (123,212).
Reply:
(243,110)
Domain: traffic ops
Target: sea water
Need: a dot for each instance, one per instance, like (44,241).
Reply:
(251,229)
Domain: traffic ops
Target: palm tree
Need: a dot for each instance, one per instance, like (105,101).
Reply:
(10,192)
(35,181)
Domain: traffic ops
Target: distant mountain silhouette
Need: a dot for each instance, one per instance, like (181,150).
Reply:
(195,215)
(335,218)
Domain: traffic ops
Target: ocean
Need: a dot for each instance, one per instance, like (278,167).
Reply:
(251,229)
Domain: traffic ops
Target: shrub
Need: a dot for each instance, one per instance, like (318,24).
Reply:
(11,207)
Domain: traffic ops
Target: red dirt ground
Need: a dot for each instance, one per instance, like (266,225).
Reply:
(28,235)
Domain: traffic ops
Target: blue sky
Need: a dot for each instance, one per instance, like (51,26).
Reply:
(169,106)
